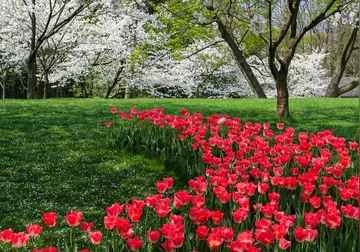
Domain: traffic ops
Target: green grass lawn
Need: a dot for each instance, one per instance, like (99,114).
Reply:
(55,154)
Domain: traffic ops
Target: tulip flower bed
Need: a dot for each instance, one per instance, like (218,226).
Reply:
(254,188)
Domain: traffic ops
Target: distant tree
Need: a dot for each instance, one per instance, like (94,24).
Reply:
(184,22)
(283,37)
(349,17)
(36,21)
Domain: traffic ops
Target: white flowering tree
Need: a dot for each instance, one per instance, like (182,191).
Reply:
(205,74)
(101,58)
(35,21)
(187,21)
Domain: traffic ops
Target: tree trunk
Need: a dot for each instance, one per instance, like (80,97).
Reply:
(332,89)
(115,81)
(31,83)
(348,87)
(127,91)
(2,85)
(46,85)
(282,106)
(241,61)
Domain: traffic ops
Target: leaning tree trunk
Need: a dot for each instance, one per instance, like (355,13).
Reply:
(31,83)
(3,85)
(115,81)
(333,87)
(241,61)
(282,100)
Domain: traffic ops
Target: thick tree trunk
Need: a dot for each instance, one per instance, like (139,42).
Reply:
(241,61)
(333,88)
(46,85)
(31,83)
(282,106)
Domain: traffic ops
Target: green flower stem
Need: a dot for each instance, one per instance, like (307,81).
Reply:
(71,241)
(75,246)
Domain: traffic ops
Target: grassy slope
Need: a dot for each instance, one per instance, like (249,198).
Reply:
(54,154)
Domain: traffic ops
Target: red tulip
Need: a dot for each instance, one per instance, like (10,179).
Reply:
(311,219)
(152,200)
(279,231)
(236,246)
(315,201)
(113,110)
(95,237)
(300,234)
(107,124)
(168,246)
(153,236)
(87,227)
(49,219)
(197,201)
(284,244)
(114,210)
(280,126)
(161,187)
(162,210)
(134,213)
(169,182)
(264,236)
(216,217)
(122,225)
(227,233)
(240,214)
(311,235)
(34,230)
(262,188)
(181,198)
(177,240)
(263,224)
(109,222)
(134,244)
(214,241)
(333,221)
(273,196)
(202,232)
(5,235)
(19,240)
(176,219)
(246,237)
(73,219)
(128,234)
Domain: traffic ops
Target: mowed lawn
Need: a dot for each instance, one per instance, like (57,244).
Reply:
(55,154)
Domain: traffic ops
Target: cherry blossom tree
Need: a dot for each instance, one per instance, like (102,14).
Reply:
(36,21)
